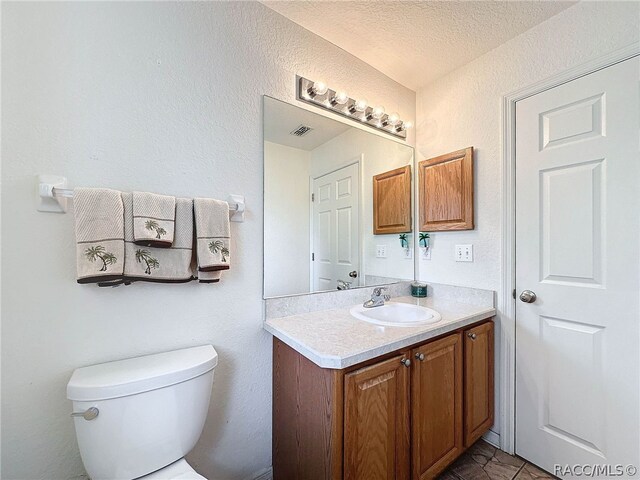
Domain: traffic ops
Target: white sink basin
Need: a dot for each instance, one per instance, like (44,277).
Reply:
(396,315)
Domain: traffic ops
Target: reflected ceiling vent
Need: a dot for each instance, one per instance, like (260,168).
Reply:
(301,131)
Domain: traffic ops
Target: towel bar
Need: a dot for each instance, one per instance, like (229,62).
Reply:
(47,190)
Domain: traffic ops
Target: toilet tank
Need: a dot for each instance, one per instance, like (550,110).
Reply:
(151,410)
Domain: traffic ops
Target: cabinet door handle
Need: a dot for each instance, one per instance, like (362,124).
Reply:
(420,356)
(406,362)
(472,336)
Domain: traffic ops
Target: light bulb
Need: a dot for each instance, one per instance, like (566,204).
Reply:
(360,105)
(340,98)
(320,88)
(377,112)
(408,125)
(393,119)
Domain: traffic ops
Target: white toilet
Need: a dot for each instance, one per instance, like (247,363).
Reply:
(138,418)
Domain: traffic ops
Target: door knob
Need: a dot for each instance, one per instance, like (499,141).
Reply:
(527,296)
(353,274)
(406,362)
(420,356)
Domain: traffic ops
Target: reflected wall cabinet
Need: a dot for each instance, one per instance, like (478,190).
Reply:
(392,201)
(446,192)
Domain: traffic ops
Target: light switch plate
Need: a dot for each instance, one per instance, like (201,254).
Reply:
(464,253)
(426,253)
(381,251)
(407,253)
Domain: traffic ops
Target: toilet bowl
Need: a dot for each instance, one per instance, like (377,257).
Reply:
(179,470)
(138,418)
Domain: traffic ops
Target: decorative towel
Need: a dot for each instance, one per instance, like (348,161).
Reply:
(165,265)
(99,219)
(153,219)
(212,232)
(209,277)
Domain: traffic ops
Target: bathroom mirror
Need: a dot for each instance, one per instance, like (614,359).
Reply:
(319,176)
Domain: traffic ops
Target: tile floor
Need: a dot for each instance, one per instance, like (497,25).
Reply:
(485,462)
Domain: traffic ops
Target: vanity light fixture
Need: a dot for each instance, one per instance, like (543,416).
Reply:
(340,98)
(317,88)
(320,95)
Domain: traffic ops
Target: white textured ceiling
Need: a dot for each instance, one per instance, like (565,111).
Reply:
(415,42)
(280,119)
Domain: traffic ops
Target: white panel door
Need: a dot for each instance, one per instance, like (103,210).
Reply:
(336,220)
(578,250)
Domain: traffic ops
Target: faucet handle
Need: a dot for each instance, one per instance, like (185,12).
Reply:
(378,291)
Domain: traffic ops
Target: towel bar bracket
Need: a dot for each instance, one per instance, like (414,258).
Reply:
(47,199)
(52,194)
(236,214)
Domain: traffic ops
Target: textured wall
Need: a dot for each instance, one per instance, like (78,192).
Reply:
(154,96)
(464,108)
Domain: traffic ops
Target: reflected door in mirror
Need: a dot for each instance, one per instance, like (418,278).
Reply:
(335,225)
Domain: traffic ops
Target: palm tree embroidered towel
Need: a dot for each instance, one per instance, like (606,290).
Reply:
(212,234)
(99,219)
(153,219)
(164,265)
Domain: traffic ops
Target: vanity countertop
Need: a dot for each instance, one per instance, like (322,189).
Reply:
(335,339)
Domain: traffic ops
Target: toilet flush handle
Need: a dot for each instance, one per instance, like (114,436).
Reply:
(88,414)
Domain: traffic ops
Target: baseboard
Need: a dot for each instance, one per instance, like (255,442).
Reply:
(493,438)
(266,474)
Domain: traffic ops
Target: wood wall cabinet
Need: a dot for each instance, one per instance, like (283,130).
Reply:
(446,192)
(406,415)
(392,201)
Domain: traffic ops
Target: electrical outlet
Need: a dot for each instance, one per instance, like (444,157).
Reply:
(407,253)
(464,253)
(381,251)
(426,253)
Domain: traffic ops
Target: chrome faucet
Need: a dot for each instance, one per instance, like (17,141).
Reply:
(342,285)
(377,298)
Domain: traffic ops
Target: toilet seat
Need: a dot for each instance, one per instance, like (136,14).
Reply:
(179,470)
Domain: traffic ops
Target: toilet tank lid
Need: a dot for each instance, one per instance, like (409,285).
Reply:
(140,374)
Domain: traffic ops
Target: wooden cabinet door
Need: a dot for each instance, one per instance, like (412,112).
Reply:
(436,406)
(478,381)
(392,201)
(376,422)
(446,192)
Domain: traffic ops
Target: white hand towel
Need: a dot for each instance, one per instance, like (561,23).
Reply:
(99,220)
(212,234)
(153,219)
(165,265)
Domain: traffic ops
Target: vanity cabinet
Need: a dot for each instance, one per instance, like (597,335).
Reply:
(436,405)
(478,381)
(405,415)
(376,421)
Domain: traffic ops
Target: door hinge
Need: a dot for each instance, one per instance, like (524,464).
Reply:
(313,197)
(313,257)
(514,293)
